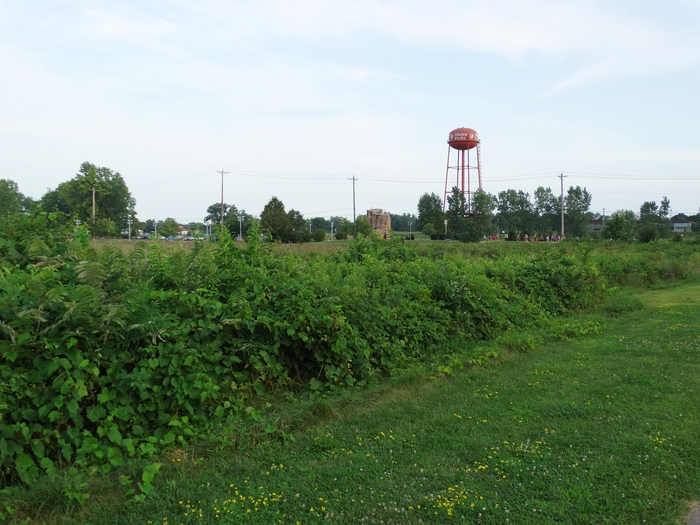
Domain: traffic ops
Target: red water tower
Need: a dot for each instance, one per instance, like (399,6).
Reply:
(459,159)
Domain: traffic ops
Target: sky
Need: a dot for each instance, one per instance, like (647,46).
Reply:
(291,99)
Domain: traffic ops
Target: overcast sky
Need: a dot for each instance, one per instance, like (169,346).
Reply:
(293,97)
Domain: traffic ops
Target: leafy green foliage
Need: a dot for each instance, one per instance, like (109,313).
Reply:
(430,211)
(319,235)
(620,226)
(11,200)
(107,359)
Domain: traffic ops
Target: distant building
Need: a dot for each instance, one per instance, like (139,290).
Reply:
(681,226)
(380,221)
(596,226)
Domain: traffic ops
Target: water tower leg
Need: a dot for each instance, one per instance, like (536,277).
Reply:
(478,162)
(447,175)
(469,184)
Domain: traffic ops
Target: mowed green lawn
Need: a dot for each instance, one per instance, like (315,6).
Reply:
(601,429)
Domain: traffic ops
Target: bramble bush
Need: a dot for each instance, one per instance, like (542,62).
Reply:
(107,359)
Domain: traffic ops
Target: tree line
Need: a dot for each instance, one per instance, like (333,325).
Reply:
(515,214)
(99,198)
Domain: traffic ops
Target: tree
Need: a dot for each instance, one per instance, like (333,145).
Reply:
(620,226)
(343,229)
(169,228)
(152,225)
(548,208)
(11,200)
(238,221)
(456,220)
(577,204)
(654,221)
(664,226)
(275,219)
(648,212)
(363,226)
(429,230)
(214,213)
(430,210)
(516,212)
(298,230)
(319,235)
(483,205)
(320,222)
(113,201)
(399,223)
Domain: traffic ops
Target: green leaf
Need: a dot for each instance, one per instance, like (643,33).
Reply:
(26,468)
(73,407)
(47,465)
(96,413)
(114,435)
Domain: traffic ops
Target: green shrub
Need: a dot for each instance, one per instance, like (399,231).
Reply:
(319,235)
(106,359)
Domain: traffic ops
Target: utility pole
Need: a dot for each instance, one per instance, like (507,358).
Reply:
(240,227)
(603,217)
(222,195)
(331,230)
(353,179)
(562,177)
(410,230)
(129,222)
(93,211)
(155,228)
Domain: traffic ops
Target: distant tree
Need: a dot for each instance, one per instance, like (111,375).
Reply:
(319,235)
(456,220)
(363,226)
(337,221)
(577,204)
(169,228)
(298,229)
(548,208)
(274,219)
(344,228)
(429,229)
(399,223)
(430,210)
(238,221)
(106,228)
(516,212)
(664,226)
(647,232)
(483,205)
(654,221)
(11,200)
(620,226)
(137,226)
(320,222)
(214,213)
(113,201)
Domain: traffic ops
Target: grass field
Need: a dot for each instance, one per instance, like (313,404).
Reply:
(601,429)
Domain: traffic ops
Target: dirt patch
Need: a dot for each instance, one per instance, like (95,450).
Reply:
(694,514)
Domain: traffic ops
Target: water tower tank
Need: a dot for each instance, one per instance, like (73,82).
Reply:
(463,139)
